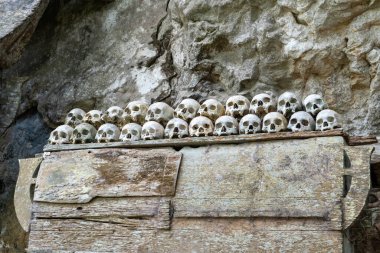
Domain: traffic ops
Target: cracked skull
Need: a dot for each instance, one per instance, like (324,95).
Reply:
(250,124)
(187,109)
(328,120)
(131,132)
(75,117)
(211,109)
(301,121)
(274,122)
(160,112)
(176,128)
(61,135)
(94,117)
(107,133)
(201,126)
(113,115)
(152,130)
(84,133)
(314,103)
(135,112)
(288,103)
(262,104)
(226,125)
(237,106)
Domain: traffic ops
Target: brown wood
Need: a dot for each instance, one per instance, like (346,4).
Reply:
(360,140)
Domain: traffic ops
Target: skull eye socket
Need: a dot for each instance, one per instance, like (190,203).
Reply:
(96,115)
(54,133)
(245,123)
(69,115)
(135,108)
(218,125)
(212,107)
(110,132)
(254,102)
(308,105)
(151,130)
(241,102)
(203,106)
(171,126)
(182,127)
(191,110)
(125,131)
(85,132)
(255,124)
(266,100)
(143,131)
(293,121)
(207,126)
(127,110)
(330,119)
(75,131)
(62,134)
(278,121)
(281,103)
(181,106)
(157,111)
(114,111)
(229,124)
(134,132)
(80,117)
(318,101)
(230,104)
(267,122)
(293,100)
(305,122)
(195,127)
(319,121)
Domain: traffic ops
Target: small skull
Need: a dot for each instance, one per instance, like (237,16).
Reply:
(135,112)
(274,122)
(301,121)
(84,133)
(263,104)
(250,124)
(201,126)
(131,132)
(94,117)
(314,103)
(237,106)
(288,103)
(160,112)
(328,120)
(107,133)
(61,135)
(226,125)
(113,115)
(176,128)
(211,109)
(187,109)
(75,117)
(152,130)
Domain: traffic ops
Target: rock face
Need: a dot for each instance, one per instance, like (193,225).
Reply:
(94,54)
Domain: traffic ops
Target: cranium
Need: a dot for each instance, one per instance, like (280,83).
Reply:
(314,103)
(211,109)
(61,135)
(201,126)
(262,104)
(75,117)
(274,122)
(113,115)
(328,120)
(288,103)
(176,128)
(152,130)
(250,124)
(135,112)
(160,112)
(107,133)
(226,125)
(237,106)
(131,132)
(94,117)
(84,133)
(187,109)
(301,121)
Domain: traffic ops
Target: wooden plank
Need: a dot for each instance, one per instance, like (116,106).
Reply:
(79,176)
(361,140)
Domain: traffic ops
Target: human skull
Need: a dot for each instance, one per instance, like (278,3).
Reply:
(61,135)
(152,130)
(75,117)
(94,117)
(176,128)
(274,122)
(107,133)
(135,112)
(237,106)
(211,109)
(328,120)
(262,104)
(288,103)
(131,132)
(113,115)
(314,103)
(301,121)
(201,126)
(250,124)
(226,125)
(84,133)
(160,112)
(187,109)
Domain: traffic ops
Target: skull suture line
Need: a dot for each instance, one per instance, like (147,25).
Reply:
(113,115)
(152,130)
(250,124)
(131,132)
(237,106)
(274,122)
(201,126)
(75,117)
(226,125)
(301,121)
(288,103)
(160,112)
(211,109)
(187,109)
(328,120)
(135,112)
(84,133)
(107,133)
(61,135)
(263,104)
(314,103)
(94,117)
(176,128)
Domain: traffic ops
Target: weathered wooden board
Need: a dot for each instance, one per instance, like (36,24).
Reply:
(79,176)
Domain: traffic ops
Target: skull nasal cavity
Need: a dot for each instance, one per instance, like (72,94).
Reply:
(175,130)
(325,124)
(224,129)
(298,125)
(287,104)
(315,106)
(272,127)
(260,103)
(236,106)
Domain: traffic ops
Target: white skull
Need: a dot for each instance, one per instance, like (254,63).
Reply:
(107,133)
(75,117)
(250,124)
(160,112)
(84,133)
(176,128)
(237,106)
(61,135)
(314,103)
(152,130)
(113,115)
(211,109)
(201,126)
(288,103)
(94,117)
(262,104)
(274,122)
(301,121)
(187,109)
(135,112)
(131,132)
(226,125)
(328,120)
